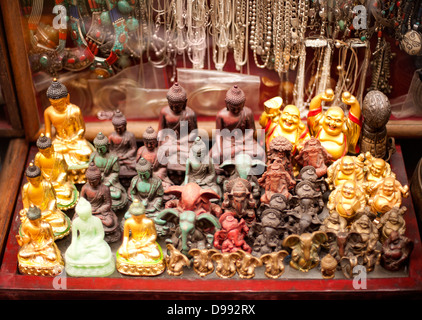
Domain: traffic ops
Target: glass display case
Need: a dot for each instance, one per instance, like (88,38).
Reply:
(126,55)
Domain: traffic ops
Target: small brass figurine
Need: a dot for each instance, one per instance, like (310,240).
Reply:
(386,194)
(202,263)
(305,249)
(55,170)
(348,200)
(88,255)
(123,144)
(38,255)
(338,134)
(226,264)
(286,122)
(274,266)
(246,265)
(39,192)
(108,163)
(139,254)
(98,195)
(69,139)
(392,221)
(175,261)
(348,168)
(328,266)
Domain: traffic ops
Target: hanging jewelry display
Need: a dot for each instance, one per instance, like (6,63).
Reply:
(411,39)
(221,20)
(196,31)
(261,30)
(240,29)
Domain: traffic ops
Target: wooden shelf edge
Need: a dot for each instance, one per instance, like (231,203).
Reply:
(10,181)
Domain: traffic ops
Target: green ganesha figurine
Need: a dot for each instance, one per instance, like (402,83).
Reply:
(89,255)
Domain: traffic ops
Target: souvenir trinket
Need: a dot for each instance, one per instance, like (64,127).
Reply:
(38,253)
(280,149)
(88,255)
(392,221)
(231,236)
(40,193)
(147,188)
(328,267)
(314,154)
(226,264)
(348,168)
(246,265)
(200,167)
(139,254)
(274,266)
(396,251)
(376,112)
(98,195)
(175,261)
(108,164)
(286,122)
(69,139)
(54,169)
(123,144)
(235,127)
(305,249)
(337,133)
(202,263)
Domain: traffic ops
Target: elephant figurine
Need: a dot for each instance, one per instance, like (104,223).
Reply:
(273,262)
(231,236)
(246,264)
(175,261)
(202,263)
(191,231)
(226,263)
(305,249)
(191,197)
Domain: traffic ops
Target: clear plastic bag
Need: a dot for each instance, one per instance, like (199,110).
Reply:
(206,89)
(409,105)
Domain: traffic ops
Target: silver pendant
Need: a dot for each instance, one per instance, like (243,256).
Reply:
(412,43)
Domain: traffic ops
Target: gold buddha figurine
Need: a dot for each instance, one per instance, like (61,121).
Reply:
(386,194)
(348,200)
(69,124)
(139,254)
(54,170)
(286,122)
(338,134)
(40,192)
(376,169)
(344,169)
(38,255)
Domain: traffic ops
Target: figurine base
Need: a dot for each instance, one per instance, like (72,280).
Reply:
(79,270)
(138,268)
(67,205)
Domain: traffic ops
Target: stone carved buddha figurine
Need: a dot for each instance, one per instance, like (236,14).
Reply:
(88,255)
(40,192)
(176,127)
(54,169)
(108,163)
(338,134)
(235,129)
(69,125)
(147,189)
(139,254)
(123,144)
(98,195)
(286,122)
(39,254)
(149,151)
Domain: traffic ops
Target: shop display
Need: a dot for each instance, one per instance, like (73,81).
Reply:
(310,193)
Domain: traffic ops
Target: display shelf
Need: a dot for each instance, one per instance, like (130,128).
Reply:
(291,285)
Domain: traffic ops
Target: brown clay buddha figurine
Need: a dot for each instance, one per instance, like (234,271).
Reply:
(98,195)
(123,144)
(176,127)
(235,129)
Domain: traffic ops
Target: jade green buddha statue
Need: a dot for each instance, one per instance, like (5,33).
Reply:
(89,255)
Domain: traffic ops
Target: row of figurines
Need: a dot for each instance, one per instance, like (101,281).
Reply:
(89,255)
(194,218)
